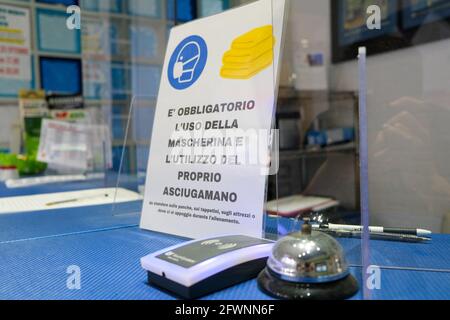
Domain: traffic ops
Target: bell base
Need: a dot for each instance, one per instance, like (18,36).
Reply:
(281,289)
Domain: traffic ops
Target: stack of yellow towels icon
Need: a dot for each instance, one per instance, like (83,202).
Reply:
(250,53)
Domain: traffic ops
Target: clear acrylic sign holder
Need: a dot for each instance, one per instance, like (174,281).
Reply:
(133,160)
(132,170)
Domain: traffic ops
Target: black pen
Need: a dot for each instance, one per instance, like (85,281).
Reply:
(332,226)
(376,235)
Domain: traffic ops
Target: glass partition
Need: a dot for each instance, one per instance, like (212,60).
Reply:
(73,112)
(406,99)
(406,102)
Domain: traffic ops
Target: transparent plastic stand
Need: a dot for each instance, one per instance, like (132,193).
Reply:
(132,171)
(364,170)
(271,222)
(135,153)
(136,147)
(400,268)
(408,180)
(133,161)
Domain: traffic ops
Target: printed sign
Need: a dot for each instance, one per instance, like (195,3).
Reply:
(209,153)
(75,145)
(15,59)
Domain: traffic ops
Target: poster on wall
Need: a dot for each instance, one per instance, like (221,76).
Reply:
(15,59)
(417,12)
(77,146)
(210,138)
(404,23)
(353,18)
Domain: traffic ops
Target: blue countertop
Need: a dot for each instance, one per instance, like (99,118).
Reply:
(36,248)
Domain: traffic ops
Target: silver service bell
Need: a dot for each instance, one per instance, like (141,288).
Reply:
(307,265)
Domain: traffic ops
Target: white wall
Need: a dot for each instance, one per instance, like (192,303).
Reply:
(307,21)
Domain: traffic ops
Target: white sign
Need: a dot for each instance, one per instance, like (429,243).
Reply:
(209,154)
(15,61)
(75,145)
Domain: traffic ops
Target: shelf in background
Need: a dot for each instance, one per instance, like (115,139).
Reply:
(292,93)
(303,153)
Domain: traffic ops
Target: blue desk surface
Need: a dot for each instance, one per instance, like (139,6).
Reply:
(129,182)
(49,188)
(37,248)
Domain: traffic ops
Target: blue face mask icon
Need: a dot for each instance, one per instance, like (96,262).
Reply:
(187,62)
